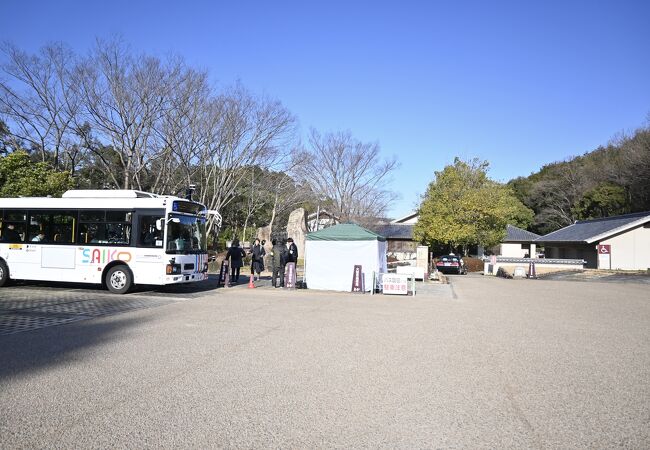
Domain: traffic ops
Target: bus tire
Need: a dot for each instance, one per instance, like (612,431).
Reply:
(4,273)
(119,279)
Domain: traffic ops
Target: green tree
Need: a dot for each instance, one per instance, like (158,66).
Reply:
(609,180)
(603,201)
(19,176)
(462,207)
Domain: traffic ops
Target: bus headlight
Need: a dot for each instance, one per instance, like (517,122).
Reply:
(173,269)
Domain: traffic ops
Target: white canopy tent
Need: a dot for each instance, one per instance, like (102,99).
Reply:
(332,253)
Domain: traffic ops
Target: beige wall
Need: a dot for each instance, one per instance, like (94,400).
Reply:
(517,250)
(541,266)
(630,250)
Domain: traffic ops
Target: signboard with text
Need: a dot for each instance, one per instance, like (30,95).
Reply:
(395,284)
(357,279)
(224,274)
(290,276)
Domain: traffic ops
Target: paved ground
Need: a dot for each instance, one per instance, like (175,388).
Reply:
(603,276)
(482,363)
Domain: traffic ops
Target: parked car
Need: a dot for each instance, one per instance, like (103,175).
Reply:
(451,264)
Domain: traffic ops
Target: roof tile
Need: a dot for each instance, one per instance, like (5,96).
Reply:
(586,230)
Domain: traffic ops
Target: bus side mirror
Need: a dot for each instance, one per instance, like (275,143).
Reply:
(159,224)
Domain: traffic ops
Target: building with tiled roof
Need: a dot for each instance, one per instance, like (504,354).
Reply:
(618,242)
(518,243)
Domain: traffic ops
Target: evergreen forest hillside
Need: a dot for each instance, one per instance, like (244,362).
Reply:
(611,180)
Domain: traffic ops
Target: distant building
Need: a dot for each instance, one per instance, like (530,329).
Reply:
(409,219)
(619,242)
(399,237)
(518,243)
(322,219)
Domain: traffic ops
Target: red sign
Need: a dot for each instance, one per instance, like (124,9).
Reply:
(604,249)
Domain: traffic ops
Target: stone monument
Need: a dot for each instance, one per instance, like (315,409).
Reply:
(297,229)
(264,234)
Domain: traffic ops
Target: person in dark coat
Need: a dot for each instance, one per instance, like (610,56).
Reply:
(292,251)
(278,255)
(10,234)
(257,264)
(235,255)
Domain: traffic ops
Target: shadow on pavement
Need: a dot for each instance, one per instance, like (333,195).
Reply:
(56,346)
(186,288)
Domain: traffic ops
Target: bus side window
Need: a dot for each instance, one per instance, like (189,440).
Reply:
(149,235)
(15,225)
(89,233)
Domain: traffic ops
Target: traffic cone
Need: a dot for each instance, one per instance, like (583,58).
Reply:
(251,284)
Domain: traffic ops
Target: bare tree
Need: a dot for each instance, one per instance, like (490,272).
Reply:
(349,173)
(243,131)
(635,167)
(287,190)
(282,190)
(557,196)
(37,99)
(183,133)
(124,97)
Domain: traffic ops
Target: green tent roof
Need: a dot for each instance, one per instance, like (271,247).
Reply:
(344,232)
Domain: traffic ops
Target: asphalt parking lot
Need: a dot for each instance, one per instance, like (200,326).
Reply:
(603,276)
(480,363)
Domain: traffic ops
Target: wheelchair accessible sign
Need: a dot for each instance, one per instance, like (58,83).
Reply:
(604,256)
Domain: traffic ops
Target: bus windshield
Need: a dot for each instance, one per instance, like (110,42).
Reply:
(186,234)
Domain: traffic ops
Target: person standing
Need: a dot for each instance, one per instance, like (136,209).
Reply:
(292,257)
(278,254)
(292,251)
(257,264)
(235,255)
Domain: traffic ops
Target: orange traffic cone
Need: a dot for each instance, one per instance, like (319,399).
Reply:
(251,285)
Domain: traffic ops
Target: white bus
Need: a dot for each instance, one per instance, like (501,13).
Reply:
(117,238)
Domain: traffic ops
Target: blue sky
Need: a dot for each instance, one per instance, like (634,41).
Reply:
(521,84)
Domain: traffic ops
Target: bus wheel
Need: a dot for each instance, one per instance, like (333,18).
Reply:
(4,273)
(119,279)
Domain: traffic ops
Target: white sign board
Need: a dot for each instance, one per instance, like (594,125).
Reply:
(520,272)
(395,284)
